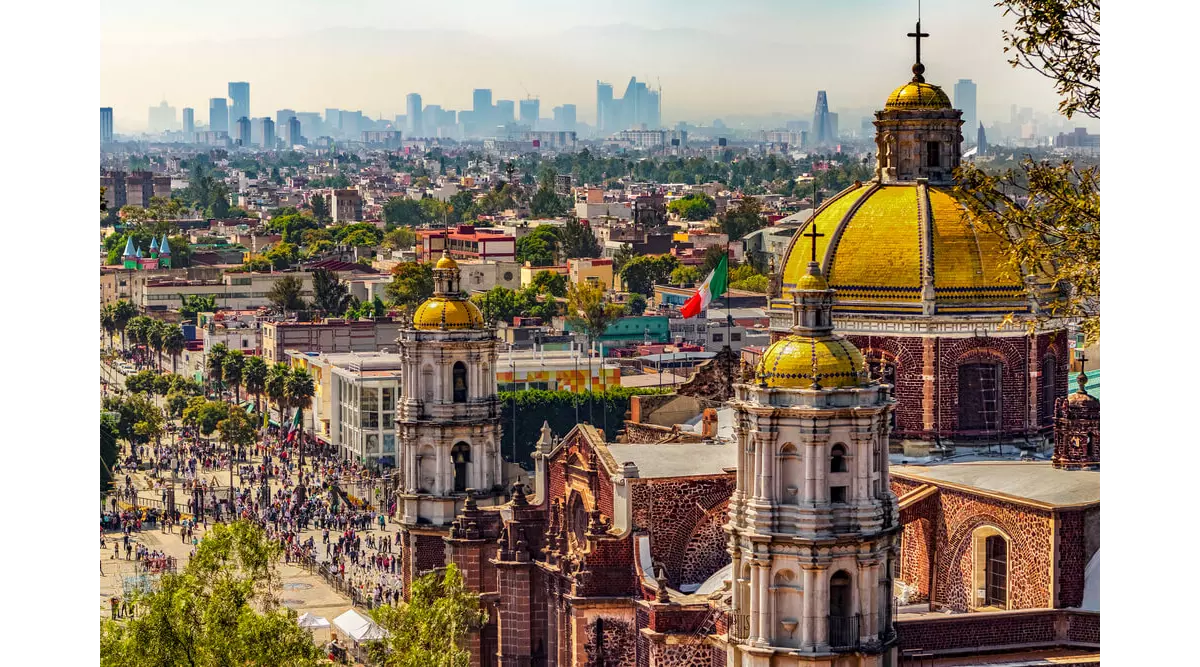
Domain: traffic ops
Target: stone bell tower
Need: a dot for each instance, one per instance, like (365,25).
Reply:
(918,132)
(813,522)
(1077,430)
(448,420)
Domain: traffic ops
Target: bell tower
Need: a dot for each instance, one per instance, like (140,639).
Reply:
(448,420)
(918,132)
(813,522)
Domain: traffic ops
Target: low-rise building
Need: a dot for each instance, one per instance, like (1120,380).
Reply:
(346,205)
(233,291)
(330,336)
(592,271)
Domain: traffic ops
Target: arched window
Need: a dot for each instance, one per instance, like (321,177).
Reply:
(577,521)
(426,384)
(996,575)
(837,459)
(460,455)
(791,474)
(426,470)
(1046,409)
(979,397)
(460,382)
(840,600)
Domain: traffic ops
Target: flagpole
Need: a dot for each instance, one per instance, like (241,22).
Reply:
(728,322)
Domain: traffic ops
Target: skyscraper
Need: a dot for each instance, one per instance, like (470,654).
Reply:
(981,141)
(820,123)
(218,115)
(281,118)
(481,107)
(268,133)
(189,122)
(506,112)
(531,110)
(239,96)
(964,100)
(564,118)
(294,137)
(243,131)
(604,108)
(161,118)
(414,123)
(106,128)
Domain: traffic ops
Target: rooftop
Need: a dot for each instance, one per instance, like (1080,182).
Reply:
(677,459)
(1026,482)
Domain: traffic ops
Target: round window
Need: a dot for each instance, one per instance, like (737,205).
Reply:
(508,275)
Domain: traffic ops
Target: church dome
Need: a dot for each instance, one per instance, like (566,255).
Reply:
(446,262)
(789,362)
(918,95)
(442,312)
(882,248)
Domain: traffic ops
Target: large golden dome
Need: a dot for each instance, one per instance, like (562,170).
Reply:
(918,95)
(446,262)
(888,246)
(789,362)
(442,312)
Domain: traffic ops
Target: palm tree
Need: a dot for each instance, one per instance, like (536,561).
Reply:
(276,388)
(174,343)
(299,392)
(108,322)
(156,336)
(231,370)
(254,376)
(216,362)
(138,330)
(123,312)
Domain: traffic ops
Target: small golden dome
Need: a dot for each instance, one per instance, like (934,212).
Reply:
(788,363)
(442,312)
(918,95)
(812,281)
(446,262)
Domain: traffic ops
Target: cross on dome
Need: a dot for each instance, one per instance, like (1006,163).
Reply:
(812,234)
(918,69)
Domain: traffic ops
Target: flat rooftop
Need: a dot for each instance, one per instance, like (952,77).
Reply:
(677,459)
(1028,482)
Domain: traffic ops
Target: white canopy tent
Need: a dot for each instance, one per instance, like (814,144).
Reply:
(357,627)
(308,620)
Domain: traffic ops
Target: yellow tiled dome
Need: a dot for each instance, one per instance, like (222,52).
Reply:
(446,262)
(883,240)
(811,281)
(442,312)
(918,95)
(788,363)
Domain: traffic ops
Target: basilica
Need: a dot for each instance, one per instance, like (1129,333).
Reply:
(815,514)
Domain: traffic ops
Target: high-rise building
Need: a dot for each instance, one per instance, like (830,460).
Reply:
(239,96)
(413,122)
(243,136)
(564,118)
(311,124)
(530,110)
(189,122)
(506,112)
(333,120)
(268,133)
(481,107)
(604,108)
(981,141)
(218,115)
(831,127)
(964,100)
(294,136)
(160,118)
(820,124)
(106,125)
(281,118)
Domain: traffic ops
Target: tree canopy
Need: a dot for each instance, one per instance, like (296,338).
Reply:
(285,293)
(412,283)
(431,629)
(642,272)
(693,206)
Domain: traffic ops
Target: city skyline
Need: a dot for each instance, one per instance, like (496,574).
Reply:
(767,67)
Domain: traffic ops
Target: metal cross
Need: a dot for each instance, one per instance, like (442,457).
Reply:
(918,35)
(814,236)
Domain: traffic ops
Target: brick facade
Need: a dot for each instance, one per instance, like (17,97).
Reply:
(683,517)
(1020,629)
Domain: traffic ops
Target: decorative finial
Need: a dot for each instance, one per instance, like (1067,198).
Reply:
(1082,378)
(816,377)
(813,235)
(917,68)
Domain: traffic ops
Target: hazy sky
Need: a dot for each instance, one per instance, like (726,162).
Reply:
(714,58)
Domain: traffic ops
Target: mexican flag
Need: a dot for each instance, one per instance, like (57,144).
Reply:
(712,287)
(294,427)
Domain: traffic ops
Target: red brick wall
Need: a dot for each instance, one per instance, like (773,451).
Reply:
(1054,343)
(956,516)
(917,540)
(610,569)
(1072,558)
(907,355)
(1049,627)
(612,644)
(676,512)
(1012,352)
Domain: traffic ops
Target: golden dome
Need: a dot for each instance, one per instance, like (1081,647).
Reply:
(918,95)
(788,363)
(812,281)
(442,312)
(884,239)
(446,262)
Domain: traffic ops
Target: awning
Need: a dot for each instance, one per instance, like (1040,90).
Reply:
(358,627)
(308,620)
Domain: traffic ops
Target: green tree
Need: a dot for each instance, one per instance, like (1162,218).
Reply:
(403,212)
(412,283)
(400,238)
(231,370)
(755,283)
(1059,39)
(108,323)
(431,629)
(205,414)
(222,609)
(282,255)
(176,403)
(622,256)
(123,312)
(109,450)
(330,295)
(500,303)
(534,250)
(320,208)
(712,257)
(744,218)
(236,431)
(693,206)
(191,304)
(578,240)
(215,364)
(637,304)
(285,294)
(276,387)
(644,271)
(589,312)
(549,282)
(683,275)
(546,203)
(174,343)
(254,377)
(298,395)
(156,335)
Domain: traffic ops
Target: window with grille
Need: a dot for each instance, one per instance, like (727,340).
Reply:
(979,397)
(997,572)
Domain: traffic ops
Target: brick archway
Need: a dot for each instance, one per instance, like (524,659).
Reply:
(703,555)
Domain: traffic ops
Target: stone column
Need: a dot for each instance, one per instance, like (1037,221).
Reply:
(928,377)
(810,482)
(808,635)
(764,602)
(820,606)
(513,646)
(866,584)
(766,452)
(755,601)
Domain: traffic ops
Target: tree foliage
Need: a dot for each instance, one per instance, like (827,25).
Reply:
(109,449)
(685,275)
(693,206)
(742,219)
(539,247)
(412,283)
(642,272)
(578,240)
(1059,39)
(222,609)
(560,409)
(549,282)
(331,296)
(285,294)
(589,311)
(431,629)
